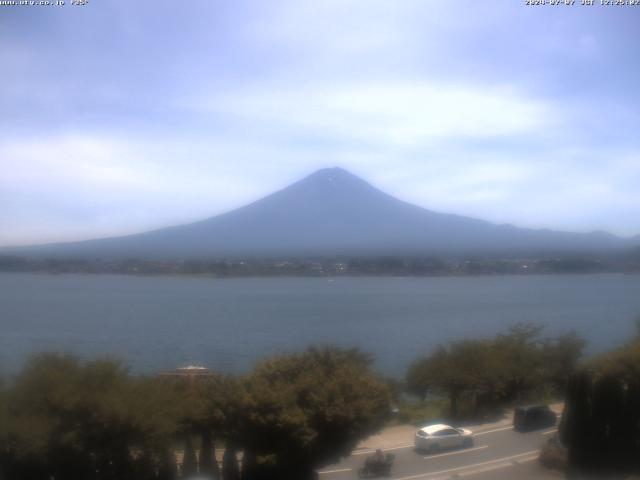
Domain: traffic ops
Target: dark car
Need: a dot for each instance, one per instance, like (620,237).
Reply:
(533,417)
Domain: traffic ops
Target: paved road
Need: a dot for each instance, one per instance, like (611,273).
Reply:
(494,450)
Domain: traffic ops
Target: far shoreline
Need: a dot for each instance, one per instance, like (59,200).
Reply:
(319,277)
(327,267)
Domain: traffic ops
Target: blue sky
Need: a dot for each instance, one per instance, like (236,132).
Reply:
(119,117)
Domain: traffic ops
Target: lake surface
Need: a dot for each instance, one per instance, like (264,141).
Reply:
(157,323)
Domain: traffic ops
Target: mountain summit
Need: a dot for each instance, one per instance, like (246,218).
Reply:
(333,212)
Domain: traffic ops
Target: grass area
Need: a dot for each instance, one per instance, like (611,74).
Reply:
(421,412)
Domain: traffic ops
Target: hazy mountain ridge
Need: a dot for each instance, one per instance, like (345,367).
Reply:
(332,212)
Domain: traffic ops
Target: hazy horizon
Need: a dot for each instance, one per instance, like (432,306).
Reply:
(121,118)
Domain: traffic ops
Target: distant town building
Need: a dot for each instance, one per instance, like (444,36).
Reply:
(189,371)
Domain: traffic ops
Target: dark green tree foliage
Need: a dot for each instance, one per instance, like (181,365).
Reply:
(601,422)
(633,409)
(575,427)
(74,420)
(600,426)
(67,419)
(306,410)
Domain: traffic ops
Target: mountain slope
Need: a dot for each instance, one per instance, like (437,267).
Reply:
(333,212)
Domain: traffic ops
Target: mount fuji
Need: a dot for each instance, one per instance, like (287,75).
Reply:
(333,212)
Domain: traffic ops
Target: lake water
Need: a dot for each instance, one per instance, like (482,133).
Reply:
(157,323)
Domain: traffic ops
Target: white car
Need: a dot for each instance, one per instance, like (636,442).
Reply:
(432,438)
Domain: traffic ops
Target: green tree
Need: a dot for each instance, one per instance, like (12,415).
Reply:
(561,356)
(623,362)
(308,409)
(521,360)
(91,420)
(491,372)
(461,369)
(203,408)
(72,418)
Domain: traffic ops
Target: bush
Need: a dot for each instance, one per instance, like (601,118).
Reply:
(422,412)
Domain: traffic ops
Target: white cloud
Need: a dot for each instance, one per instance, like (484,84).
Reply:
(404,114)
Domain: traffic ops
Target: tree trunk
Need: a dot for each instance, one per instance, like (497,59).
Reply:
(230,467)
(249,467)
(454,403)
(167,468)
(189,460)
(208,463)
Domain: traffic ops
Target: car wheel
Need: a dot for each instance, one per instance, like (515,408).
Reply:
(434,447)
(467,442)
